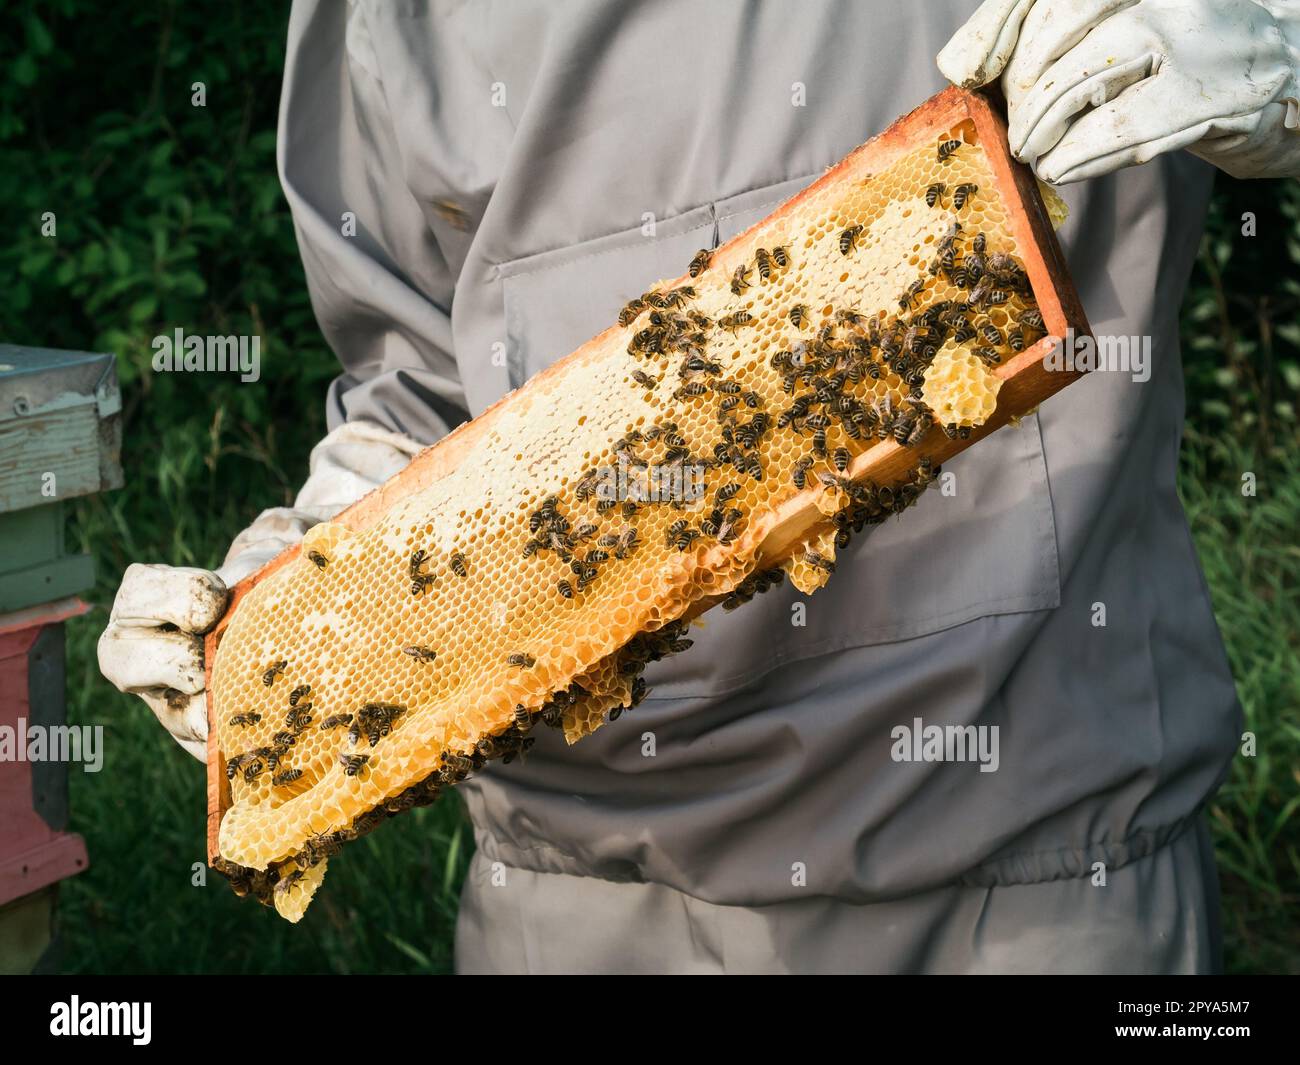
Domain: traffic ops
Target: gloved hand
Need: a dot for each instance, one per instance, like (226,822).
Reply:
(1096,85)
(153,644)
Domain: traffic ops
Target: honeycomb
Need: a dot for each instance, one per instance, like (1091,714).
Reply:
(604,506)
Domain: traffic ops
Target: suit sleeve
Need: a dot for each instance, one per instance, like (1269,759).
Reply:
(380,285)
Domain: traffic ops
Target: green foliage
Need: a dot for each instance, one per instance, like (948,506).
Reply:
(167,215)
(1240,326)
(171,215)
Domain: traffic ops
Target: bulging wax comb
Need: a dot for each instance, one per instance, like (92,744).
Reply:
(737,426)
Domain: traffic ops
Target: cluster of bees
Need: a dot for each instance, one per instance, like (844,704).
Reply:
(551,531)
(373,721)
(252,764)
(507,745)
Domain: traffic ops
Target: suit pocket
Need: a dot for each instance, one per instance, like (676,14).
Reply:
(982,542)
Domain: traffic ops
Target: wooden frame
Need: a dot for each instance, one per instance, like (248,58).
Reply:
(1026,380)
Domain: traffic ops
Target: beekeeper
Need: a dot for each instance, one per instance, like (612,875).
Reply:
(477,191)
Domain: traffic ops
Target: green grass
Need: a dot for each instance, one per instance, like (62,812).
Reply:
(1251,557)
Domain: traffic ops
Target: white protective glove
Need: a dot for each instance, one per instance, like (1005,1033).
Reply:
(153,644)
(1096,85)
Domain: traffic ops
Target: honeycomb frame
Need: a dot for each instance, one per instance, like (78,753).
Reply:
(802,519)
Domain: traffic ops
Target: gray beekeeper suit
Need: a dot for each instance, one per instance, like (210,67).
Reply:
(516,171)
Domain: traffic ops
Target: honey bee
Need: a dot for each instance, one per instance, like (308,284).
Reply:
(935,193)
(685,538)
(781,256)
(253,769)
(353,764)
(299,717)
(298,693)
(945,260)
(420,654)
(630,311)
(700,263)
(644,379)
(319,560)
(1031,319)
(848,316)
(987,355)
(947,148)
(987,293)
(1003,268)
(911,294)
(841,458)
(288,776)
(818,560)
(521,660)
(627,543)
(244,720)
(276,669)
(849,239)
(421,582)
(335,721)
(456,563)
(565,589)
(679,296)
(699,364)
(647,340)
(732,322)
(917,432)
(726,492)
(1016,339)
(740,279)
(798,315)
(727,530)
(962,193)
(763,259)
(991,334)
(800,472)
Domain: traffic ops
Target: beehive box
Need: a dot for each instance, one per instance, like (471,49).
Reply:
(794,385)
